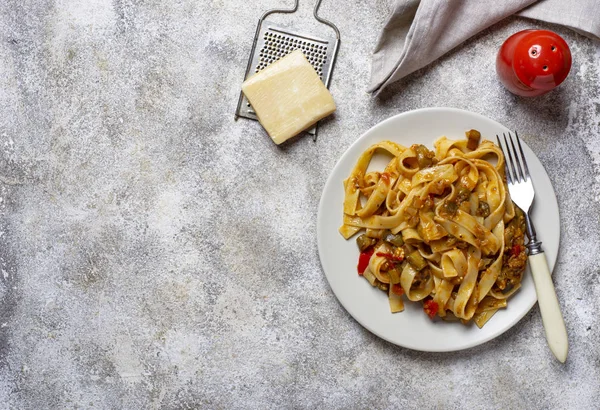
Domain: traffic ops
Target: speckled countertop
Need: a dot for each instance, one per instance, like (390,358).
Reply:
(157,254)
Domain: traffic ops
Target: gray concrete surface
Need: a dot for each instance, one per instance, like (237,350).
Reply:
(156,254)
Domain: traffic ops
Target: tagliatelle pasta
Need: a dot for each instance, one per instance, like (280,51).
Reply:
(437,227)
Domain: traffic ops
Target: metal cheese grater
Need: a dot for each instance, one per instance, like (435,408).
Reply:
(271,42)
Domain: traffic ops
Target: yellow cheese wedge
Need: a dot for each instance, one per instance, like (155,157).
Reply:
(288,97)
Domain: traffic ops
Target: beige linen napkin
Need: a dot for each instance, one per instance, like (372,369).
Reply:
(418,32)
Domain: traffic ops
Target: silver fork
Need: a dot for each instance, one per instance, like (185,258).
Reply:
(521,191)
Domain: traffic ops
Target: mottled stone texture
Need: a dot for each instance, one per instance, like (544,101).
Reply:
(157,254)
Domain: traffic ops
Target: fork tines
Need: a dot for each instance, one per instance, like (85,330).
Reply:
(520,172)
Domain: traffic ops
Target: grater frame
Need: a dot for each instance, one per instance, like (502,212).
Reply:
(272,42)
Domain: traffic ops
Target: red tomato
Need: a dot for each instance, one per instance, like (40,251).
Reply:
(533,62)
(397,289)
(363,260)
(516,250)
(431,308)
(390,257)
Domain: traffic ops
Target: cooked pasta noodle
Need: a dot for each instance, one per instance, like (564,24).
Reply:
(439,227)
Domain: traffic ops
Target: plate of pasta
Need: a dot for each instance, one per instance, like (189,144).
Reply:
(418,237)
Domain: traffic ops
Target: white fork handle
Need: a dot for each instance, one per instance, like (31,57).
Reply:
(554,325)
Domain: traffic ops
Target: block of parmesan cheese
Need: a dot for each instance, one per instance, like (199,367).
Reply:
(288,97)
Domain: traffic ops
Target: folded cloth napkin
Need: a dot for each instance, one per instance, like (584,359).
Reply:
(419,31)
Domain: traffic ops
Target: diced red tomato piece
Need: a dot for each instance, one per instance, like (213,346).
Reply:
(431,308)
(390,256)
(516,250)
(363,260)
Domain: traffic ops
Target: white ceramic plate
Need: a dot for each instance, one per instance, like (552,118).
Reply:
(339,257)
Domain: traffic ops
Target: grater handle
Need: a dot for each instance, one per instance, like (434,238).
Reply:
(266,13)
(322,20)
(315,13)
